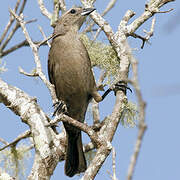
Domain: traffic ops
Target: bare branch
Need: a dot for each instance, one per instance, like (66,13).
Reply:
(26,107)
(103,25)
(113,177)
(142,125)
(22,7)
(21,44)
(6,176)
(148,34)
(95,105)
(150,9)
(17,5)
(9,25)
(165,11)
(9,36)
(43,9)
(55,15)
(84,127)
(88,147)
(34,74)
(44,36)
(17,46)
(114,163)
(46,40)
(6,29)
(10,22)
(20,137)
(3,141)
(62,5)
(12,33)
(36,57)
(108,8)
(98,160)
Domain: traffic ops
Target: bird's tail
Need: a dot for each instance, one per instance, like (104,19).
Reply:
(75,160)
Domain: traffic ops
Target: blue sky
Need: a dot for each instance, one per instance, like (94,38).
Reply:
(159,80)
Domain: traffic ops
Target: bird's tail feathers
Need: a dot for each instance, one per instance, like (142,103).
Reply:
(75,160)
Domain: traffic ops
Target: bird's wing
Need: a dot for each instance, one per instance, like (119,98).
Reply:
(50,69)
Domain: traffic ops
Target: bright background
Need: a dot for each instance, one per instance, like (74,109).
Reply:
(159,79)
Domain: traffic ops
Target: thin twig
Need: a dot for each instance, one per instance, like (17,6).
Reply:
(3,141)
(21,44)
(44,36)
(108,8)
(62,5)
(55,15)
(29,148)
(165,11)
(82,126)
(22,7)
(35,48)
(113,177)
(34,74)
(46,40)
(114,163)
(20,137)
(10,36)
(43,9)
(12,33)
(95,105)
(150,9)
(148,34)
(9,25)
(17,5)
(88,147)
(142,125)
(11,20)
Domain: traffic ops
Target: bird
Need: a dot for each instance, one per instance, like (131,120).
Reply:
(69,70)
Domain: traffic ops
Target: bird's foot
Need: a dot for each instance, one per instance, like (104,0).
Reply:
(60,107)
(121,85)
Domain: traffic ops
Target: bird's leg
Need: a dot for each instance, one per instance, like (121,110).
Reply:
(121,85)
(60,107)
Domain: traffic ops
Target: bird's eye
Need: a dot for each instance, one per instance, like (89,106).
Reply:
(73,11)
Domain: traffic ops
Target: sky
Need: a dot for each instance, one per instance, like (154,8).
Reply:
(159,64)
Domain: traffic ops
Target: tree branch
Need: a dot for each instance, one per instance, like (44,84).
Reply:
(6,176)
(113,177)
(43,9)
(148,34)
(120,44)
(44,138)
(108,8)
(9,25)
(12,19)
(20,137)
(95,105)
(150,9)
(35,48)
(21,44)
(142,126)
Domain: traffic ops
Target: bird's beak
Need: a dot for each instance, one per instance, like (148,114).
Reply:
(87,11)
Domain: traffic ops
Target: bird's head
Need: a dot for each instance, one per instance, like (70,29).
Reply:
(72,19)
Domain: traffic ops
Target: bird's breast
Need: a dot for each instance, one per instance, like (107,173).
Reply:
(72,72)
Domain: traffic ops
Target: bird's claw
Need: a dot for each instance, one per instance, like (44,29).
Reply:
(121,85)
(60,107)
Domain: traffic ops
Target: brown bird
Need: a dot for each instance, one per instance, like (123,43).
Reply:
(69,69)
